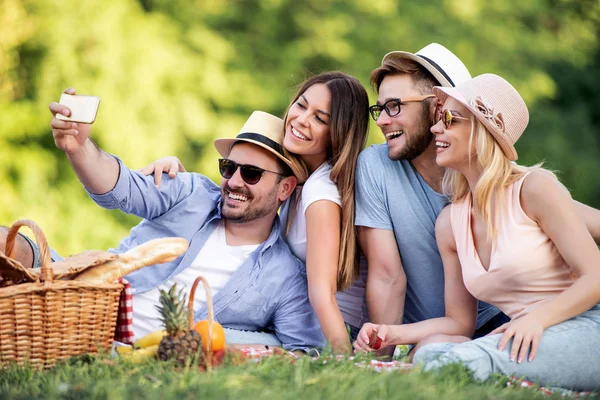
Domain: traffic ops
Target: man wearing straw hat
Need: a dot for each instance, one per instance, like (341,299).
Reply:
(399,196)
(233,231)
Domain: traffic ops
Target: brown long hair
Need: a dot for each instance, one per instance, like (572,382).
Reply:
(348,126)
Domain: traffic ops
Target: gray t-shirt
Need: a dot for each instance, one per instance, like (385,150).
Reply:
(392,195)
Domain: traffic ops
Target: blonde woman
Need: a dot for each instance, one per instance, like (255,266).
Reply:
(511,237)
(325,130)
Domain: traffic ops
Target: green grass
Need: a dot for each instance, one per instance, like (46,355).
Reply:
(274,378)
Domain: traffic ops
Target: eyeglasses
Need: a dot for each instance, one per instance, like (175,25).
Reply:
(393,107)
(250,174)
(448,118)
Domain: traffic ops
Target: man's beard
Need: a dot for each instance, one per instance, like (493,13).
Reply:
(252,213)
(419,139)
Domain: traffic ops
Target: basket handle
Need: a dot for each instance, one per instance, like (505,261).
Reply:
(209,304)
(42,243)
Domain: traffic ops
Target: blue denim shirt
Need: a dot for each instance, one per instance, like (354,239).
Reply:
(269,290)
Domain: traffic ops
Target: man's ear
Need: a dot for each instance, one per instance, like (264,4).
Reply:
(436,108)
(286,187)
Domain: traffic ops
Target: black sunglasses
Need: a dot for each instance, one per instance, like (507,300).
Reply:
(250,174)
(393,107)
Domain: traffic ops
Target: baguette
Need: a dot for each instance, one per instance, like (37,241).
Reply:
(156,251)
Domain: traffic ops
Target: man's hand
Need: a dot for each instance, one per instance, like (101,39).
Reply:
(97,170)
(69,136)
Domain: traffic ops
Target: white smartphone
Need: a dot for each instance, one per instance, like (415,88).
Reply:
(83,108)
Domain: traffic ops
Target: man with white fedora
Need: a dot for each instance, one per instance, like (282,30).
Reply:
(398,191)
(259,287)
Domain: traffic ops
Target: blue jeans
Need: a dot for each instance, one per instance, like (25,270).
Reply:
(568,355)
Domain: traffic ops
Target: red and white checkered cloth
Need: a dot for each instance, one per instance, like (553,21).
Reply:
(124,328)
(516,381)
(379,366)
(258,354)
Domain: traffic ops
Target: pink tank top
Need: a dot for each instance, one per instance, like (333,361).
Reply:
(525,267)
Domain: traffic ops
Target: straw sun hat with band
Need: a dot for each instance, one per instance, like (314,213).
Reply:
(264,130)
(496,104)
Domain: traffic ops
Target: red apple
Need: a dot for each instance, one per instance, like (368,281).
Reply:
(375,341)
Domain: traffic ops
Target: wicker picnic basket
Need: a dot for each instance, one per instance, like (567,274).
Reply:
(46,321)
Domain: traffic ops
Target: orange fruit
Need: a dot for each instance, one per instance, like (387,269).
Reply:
(218,336)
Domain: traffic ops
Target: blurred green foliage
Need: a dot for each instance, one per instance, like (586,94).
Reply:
(175,74)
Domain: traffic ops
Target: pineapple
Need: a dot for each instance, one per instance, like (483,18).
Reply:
(180,343)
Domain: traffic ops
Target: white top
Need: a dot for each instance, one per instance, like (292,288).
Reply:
(216,261)
(317,187)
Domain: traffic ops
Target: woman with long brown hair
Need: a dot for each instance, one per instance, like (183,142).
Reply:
(325,130)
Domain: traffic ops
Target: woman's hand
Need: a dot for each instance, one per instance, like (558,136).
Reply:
(526,333)
(170,165)
(371,337)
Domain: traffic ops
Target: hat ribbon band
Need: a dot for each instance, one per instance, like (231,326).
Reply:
(257,137)
(439,69)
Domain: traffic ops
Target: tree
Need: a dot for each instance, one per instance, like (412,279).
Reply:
(175,74)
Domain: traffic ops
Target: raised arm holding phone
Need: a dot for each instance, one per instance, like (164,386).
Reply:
(96,169)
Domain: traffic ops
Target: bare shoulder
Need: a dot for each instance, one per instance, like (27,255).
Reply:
(539,180)
(541,192)
(443,227)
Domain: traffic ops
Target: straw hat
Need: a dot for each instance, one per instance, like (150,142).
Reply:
(262,129)
(441,62)
(496,104)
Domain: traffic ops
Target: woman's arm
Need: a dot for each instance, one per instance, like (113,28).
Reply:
(591,219)
(323,222)
(461,307)
(546,202)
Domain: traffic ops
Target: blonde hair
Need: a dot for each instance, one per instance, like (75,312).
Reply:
(498,172)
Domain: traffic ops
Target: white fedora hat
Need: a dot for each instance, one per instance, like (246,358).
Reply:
(441,62)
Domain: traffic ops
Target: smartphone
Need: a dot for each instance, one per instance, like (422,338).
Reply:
(83,108)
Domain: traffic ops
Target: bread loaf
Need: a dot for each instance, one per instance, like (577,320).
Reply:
(156,251)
